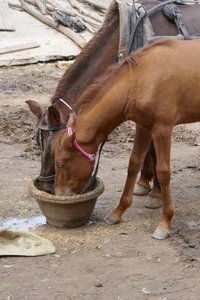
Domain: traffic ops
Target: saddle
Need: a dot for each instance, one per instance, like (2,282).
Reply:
(136,28)
(173,15)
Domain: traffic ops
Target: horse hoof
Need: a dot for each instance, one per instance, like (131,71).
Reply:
(160,234)
(111,220)
(141,190)
(153,203)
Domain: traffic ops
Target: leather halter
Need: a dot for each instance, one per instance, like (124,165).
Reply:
(39,139)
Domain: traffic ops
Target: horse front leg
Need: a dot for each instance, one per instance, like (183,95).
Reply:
(162,143)
(141,144)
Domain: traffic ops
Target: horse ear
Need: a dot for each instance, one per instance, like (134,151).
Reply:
(35,108)
(54,117)
(72,119)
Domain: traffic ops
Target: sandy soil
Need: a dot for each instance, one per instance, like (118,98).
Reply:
(96,261)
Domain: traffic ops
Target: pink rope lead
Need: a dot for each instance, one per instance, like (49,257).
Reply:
(90,156)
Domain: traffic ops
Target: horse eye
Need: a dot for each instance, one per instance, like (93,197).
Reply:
(60,165)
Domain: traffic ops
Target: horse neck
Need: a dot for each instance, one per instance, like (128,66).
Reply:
(107,111)
(94,59)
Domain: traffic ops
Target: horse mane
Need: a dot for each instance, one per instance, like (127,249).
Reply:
(81,61)
(96,88)
(112,72)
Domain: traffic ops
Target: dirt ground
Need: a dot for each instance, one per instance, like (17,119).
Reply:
(96,261)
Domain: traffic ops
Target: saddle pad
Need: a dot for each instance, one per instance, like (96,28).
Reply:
(127,17)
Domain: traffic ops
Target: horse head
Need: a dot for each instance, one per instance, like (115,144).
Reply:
(49,122)
(73,165)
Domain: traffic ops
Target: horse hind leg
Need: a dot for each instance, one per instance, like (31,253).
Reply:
(148,173)
(162,143)
(154,199)
(142,186)
(141,144)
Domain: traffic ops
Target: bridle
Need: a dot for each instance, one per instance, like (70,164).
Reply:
(39,139)
(50,129)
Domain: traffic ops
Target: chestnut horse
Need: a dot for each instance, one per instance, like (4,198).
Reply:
(157,88)
(93,61)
